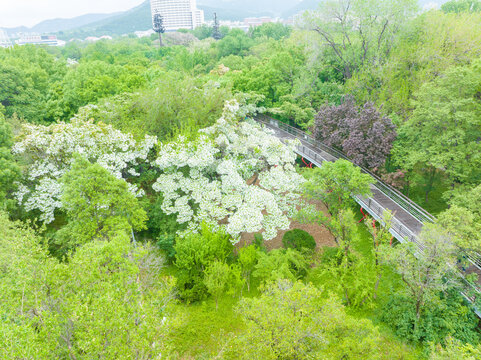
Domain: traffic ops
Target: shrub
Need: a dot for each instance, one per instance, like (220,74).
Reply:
(194,253)
(259,242)
(280,264)
(447,316)
(160,223)
(329,253)
(166,243)
(298,239)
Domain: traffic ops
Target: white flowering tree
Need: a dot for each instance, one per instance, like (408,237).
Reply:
(235,175)
(49,150)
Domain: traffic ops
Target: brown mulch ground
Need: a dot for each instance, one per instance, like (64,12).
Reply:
(320,233)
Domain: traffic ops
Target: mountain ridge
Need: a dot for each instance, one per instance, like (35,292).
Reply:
(61,24)
(138,18)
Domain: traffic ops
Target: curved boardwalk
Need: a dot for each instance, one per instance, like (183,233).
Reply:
(408,217)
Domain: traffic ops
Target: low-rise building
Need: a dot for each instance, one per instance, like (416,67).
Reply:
(257,21)
(35,39)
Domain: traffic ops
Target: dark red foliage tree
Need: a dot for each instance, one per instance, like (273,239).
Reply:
(362,133)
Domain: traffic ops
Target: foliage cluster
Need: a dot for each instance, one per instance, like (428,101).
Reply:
(298,239)
(52,309)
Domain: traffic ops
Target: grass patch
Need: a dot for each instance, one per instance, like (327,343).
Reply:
(199,328)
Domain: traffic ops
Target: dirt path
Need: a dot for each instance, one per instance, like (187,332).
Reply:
(322,236)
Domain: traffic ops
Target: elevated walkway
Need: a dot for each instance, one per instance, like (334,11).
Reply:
(408,217)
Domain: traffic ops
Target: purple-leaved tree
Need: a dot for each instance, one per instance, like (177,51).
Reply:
(362,133)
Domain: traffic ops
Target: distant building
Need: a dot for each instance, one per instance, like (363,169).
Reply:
(142,34)
(95,39)
(33,39)
(4,40)
(178,14)
(257,21)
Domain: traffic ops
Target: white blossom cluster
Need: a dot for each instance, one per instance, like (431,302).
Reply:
(49,153)
(212,179)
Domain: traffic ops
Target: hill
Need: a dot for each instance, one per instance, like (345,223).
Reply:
(56,25)
(254,7)
(136,19)
(227,14)
(302,6)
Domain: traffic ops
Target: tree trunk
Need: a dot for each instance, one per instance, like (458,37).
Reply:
(346,294)
(407,188)
(377,285)
(429,186)
(161,44)
(418,308)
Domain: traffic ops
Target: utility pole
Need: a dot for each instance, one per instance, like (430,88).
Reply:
(216,31)
(158,26)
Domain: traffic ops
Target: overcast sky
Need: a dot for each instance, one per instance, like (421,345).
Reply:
(31,12)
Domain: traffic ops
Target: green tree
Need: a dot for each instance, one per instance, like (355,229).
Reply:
(359,32)
(203,32)
(443,134)
(247,259)
(349,273)
(25,271)
(296,321)
(335,184)
(194,253)
(175,105)
(9,170)
(274,31)
(99,206)
(424,272)
(463,218)
(274,75)
(91,81)
(105,276)
(216,279)
(448,314)
(459,6)
(426,47)
(463,225)
(235,43)
(280,264)
(27,76)
(53,310)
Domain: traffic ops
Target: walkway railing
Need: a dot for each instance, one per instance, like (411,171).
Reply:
(317,152)
(399,198)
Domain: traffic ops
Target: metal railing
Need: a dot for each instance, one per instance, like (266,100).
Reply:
(312,149)
(317,152)
(399,198)
(401,231)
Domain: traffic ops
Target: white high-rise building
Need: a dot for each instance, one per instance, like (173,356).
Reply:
(178,14)
(4,39)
